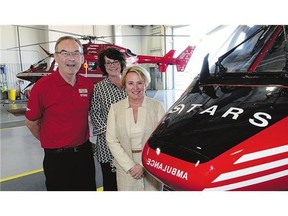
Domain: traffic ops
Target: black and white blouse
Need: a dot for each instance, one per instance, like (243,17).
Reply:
(105,94)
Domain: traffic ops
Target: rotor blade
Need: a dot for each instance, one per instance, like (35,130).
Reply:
(218,28)
(44,29)
(81,37)
(87,37)
(160,35)
(30,45)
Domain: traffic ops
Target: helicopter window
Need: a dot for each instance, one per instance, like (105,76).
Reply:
(40,66)
(244,55)
(92,66)
(275,59)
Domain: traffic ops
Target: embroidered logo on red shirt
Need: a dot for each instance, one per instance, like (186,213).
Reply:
(83,91)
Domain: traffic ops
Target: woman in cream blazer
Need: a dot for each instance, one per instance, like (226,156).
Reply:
(130,123)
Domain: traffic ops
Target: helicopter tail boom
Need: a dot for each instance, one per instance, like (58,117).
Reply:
(163,62)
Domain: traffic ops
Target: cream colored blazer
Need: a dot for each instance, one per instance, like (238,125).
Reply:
(118,128)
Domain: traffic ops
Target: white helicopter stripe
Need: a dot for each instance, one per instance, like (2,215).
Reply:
(251,170)
(249,182)
(261,154)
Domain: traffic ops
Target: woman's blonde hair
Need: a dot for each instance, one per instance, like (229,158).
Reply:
(142,73)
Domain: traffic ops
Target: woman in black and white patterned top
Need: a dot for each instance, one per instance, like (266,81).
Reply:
(109,91)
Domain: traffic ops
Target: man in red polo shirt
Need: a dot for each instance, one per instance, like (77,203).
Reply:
(57,115)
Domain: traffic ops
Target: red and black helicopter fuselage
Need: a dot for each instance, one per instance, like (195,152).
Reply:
(228,130)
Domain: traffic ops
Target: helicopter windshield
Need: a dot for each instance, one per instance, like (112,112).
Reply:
(252,49)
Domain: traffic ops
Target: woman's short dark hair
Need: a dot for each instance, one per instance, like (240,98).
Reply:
(112,53)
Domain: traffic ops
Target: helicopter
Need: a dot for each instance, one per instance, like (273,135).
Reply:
(90,67)
(228,130)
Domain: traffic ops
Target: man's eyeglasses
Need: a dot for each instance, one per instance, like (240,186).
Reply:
(65,54)
(116,62)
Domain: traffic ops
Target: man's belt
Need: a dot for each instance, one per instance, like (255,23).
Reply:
(69,149)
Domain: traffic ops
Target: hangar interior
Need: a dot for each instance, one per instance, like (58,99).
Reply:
(21,154)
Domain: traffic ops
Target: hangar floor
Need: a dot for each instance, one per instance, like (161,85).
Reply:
(21,154)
